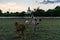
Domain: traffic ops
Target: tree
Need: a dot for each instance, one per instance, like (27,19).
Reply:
(22,13)
(49,12)
(1,13)
(38,12)
(57,11)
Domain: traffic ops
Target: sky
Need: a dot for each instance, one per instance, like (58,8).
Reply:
(22,5)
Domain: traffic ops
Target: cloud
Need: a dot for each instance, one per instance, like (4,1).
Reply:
(12,7)
(49,6)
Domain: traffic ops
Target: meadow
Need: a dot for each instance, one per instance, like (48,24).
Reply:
(48,29)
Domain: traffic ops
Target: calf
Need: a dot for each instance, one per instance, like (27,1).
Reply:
(20,28)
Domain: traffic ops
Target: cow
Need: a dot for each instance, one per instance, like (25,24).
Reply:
(35,22)
(20,28)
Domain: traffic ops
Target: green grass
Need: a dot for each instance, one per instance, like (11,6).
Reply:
(48,29)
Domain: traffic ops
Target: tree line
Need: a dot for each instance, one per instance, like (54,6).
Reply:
(36,12)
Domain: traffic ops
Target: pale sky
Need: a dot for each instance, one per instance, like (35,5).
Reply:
(22,5)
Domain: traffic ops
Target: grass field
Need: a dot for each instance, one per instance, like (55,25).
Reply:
(48,29)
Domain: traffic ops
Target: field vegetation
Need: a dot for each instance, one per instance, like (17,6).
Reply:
(48,29)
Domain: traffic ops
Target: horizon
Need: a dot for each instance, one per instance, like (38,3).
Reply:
(22,5)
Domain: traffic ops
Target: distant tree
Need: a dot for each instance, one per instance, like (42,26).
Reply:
(57,11)
(22,13)
(53,12)
(1,14)
(35,12)
(16,13)
(38,12)
(6,13)
(57,8)
(49,12)
(0,11)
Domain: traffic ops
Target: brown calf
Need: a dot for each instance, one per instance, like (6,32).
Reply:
(20,28)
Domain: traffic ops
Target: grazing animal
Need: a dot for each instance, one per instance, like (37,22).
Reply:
(36,23)
(20,28)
